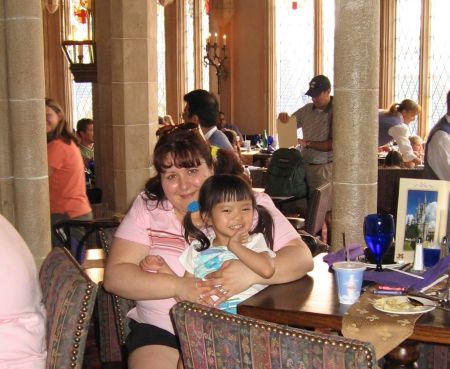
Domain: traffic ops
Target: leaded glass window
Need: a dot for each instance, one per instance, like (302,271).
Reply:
(295,57)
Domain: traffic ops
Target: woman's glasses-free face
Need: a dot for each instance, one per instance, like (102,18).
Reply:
(164,130)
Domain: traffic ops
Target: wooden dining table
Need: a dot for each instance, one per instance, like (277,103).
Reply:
(312,302)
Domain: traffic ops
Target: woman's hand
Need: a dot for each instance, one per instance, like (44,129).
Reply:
(232,278)
(192,289)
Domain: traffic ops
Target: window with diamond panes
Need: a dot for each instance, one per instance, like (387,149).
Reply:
(294,53)
(161,60)
(439,61)
(82,101)
(407,53)
(205,33)
(328,39)
(190,56)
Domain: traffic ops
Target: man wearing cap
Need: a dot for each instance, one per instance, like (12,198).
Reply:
(315,119)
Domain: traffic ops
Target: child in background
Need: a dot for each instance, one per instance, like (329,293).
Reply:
(417,146)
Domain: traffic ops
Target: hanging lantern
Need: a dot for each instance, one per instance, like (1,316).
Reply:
(294,5)
(51,5)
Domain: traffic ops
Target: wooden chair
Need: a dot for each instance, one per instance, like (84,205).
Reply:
(316,211)
(213,339)
(90,229)
(69,297)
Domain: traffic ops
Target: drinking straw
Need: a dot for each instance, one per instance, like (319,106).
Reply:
(347,256)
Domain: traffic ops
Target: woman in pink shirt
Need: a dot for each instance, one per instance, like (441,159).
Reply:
(153,225)
(68,199)
(22,314)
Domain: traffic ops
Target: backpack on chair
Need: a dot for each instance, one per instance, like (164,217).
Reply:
(286,174)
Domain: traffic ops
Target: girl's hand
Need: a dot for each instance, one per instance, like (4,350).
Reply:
(232,278)
(155,264)
(194,290)
(237,240)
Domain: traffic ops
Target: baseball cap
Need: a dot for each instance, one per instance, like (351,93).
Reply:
(317,85)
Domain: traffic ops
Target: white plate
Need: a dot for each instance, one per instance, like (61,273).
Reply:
(395,266)
(401,305)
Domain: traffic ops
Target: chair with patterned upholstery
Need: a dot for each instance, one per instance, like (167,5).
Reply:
(112,313)
(69,297)
(213,339)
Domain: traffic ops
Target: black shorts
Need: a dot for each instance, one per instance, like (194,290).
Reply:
(142,334)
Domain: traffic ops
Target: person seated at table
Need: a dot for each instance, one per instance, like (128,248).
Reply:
(22,314)
(393,160)
(222,124)
(183,162)
(393,125)
(417,146)
(202,108)
(234,140)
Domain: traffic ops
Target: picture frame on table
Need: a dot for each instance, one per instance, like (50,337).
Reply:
(422,212)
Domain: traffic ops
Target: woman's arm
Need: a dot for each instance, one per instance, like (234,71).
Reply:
(292,262)
(124,277)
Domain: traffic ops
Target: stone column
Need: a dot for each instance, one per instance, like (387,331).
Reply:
(126,103)
(355,118)
(22,116)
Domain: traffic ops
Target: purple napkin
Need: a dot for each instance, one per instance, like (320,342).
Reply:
(396,279)
(354,251)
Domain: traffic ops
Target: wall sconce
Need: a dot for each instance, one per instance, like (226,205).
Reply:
(77,43)
(216,56)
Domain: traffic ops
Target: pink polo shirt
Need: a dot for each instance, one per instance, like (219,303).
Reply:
(160,230)
(22,314)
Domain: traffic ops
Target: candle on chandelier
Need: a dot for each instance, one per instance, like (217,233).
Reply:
(80,53)
(215,38)
(208,40)
(224,40)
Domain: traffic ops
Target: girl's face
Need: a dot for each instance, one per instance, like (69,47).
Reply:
(229,217)
(182,185)
(52,119)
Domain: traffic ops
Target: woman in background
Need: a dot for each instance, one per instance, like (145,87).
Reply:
(68,199)
(393,126)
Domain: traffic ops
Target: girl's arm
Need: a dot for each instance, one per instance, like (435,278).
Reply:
(259,262)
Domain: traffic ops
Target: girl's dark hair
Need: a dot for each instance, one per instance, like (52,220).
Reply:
(187,149)
(62,130)
(223,188)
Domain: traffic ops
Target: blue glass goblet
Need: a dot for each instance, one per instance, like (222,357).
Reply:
(379,234)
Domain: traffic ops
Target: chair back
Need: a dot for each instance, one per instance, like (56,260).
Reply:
(112,312)
(69,297)
(89,232)
(317,209)
(213,339)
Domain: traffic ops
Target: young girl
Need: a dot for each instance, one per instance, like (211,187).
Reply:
(219,227)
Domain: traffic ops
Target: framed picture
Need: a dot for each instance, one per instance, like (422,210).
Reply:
(423,212)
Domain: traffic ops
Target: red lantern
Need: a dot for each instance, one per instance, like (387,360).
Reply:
(294,5)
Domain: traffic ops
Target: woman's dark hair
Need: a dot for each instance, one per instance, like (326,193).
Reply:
(187,148)
(223,188)
(62,130)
